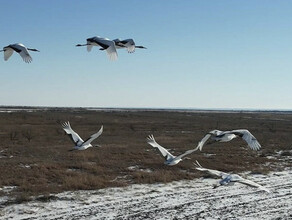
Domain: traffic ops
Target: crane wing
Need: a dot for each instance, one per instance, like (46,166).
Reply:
(94,136)
(248,137)
(108,45)
(163,151)
(89,46)
(77,140)
(253,184)
(118,44)
(111,51)
(203,141)
(7,53)
(25,55)
(130,45)
(186,153)
(210,171)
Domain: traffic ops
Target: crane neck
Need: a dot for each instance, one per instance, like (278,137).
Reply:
(81,45)
(33,50)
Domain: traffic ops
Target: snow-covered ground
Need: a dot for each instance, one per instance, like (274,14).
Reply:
(195,199)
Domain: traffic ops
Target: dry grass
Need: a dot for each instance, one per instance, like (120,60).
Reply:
(35,156)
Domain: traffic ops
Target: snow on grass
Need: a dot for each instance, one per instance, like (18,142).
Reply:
(181,200)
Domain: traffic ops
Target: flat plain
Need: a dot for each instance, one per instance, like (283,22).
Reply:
(36,161)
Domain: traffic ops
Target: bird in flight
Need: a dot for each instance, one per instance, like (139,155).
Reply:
(19,48)
(228,179)
(105,44)
(169,158)
(129,44)
(225,136)
(77,140)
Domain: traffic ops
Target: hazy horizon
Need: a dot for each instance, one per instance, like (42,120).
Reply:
(147,108)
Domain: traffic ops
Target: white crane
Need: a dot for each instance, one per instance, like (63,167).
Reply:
(105,44)
(19,48)
(77,140)
(129,44)
(169,158)
(228,179)
(225,136)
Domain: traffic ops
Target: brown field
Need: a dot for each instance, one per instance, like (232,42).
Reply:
(35,156)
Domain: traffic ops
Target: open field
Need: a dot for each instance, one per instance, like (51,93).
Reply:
(35,156)
(185,199)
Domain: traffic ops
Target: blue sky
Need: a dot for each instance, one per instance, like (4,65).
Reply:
(201,54)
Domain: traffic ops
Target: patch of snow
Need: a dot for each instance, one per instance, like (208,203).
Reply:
(137,168)
(186,199)
(5,155)
(133,167)
(284,156)
(7,189)
(25,166)
(208,155)
(186,132)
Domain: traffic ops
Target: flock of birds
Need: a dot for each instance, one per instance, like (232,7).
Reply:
(110,46)
(214,135)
